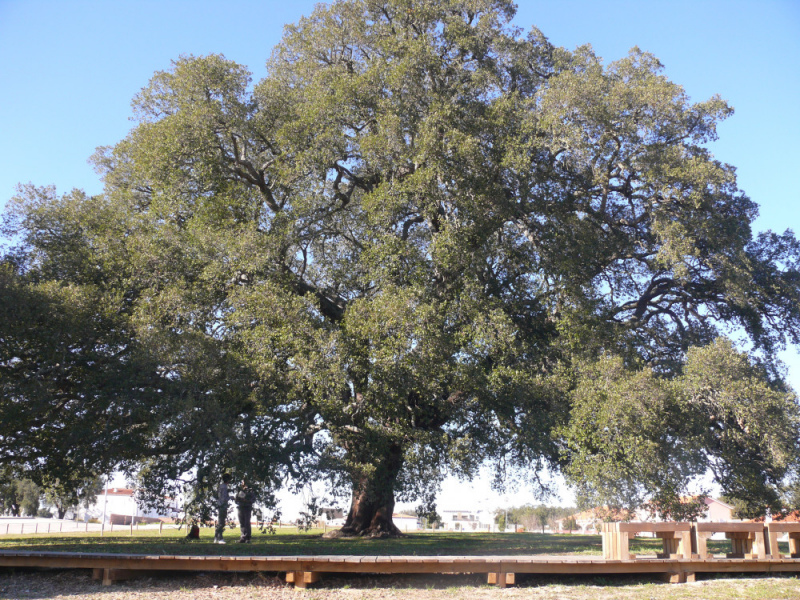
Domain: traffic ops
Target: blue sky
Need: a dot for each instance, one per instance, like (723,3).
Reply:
(68,70)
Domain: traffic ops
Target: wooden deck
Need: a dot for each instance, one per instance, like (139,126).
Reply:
(303,570)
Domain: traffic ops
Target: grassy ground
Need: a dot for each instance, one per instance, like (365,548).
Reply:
(289,542)
(77,585)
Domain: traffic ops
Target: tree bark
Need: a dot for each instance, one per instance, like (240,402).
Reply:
(372,503)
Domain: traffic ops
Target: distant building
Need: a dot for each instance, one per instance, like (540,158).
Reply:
(468,520)
(331,517)
(588,520)
(718,512)
(121,508)
(335,517)
(406,522)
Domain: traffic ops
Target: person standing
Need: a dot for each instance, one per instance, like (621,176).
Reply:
(245,498)
(223,497)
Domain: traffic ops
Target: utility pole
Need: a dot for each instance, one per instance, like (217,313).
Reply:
(105,504)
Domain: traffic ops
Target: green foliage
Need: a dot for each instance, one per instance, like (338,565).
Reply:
(70,490)
(539,516)
(635,435)
(423,241)
(569,524)
(27,495)
(679,509)
(741,510)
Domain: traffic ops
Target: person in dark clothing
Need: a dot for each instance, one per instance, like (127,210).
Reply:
(245,498)
(223,497)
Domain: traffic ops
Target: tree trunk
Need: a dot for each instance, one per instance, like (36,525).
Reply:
(61,512)
(372,504)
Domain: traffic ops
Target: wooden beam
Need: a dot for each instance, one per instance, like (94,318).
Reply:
(307,569)
(302,579)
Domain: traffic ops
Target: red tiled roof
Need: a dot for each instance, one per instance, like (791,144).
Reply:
(792,517)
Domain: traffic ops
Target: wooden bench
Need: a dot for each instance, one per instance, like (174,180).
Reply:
(748,540)
(676,538)
(775,530)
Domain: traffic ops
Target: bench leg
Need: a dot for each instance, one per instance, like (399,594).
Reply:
(605,536)
(702,544)
(759,548)
(773,544)
(623,552)
(685,547)
(794,545)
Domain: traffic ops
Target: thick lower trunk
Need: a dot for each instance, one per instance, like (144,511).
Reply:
(61,512)
(372,504)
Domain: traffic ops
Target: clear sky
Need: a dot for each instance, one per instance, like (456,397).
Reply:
(69,68)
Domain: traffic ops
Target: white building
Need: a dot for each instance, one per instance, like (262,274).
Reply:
(468,520)
(406,522)
(121,508)
(718,512)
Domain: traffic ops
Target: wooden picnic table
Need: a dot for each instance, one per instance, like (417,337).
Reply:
(748,540)
(676,538)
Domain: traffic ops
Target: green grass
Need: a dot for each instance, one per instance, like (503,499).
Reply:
(289,542)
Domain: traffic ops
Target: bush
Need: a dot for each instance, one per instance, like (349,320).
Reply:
(44,513)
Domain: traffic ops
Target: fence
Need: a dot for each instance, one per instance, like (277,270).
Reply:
(34,527)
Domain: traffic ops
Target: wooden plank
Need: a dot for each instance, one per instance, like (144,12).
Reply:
(367,564)
(639,526)
(728,527)
(369,559)
(783,527)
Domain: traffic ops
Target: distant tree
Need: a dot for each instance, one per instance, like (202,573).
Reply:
(791,494)
(539,516)
(543,515)
(500,517)
(66,492)
(28,496)
(569,523)
(741,508)
(8,496)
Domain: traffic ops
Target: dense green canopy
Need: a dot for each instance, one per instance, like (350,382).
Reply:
(423,241)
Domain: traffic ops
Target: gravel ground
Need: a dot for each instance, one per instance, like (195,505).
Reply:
(78,585)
